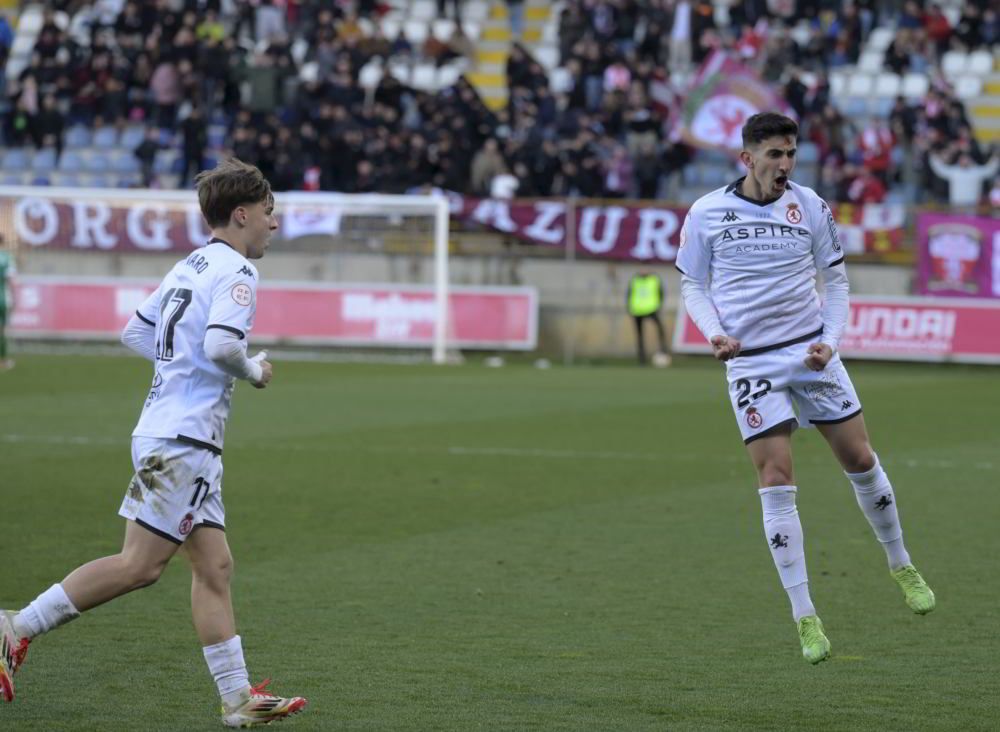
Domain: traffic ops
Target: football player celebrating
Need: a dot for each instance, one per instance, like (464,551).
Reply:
(749,256)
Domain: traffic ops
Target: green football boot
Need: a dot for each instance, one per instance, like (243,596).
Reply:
(815,645)
(918,595)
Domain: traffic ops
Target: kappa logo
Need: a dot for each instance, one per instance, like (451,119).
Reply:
(730,217)
(247,271)
(883,502)
(779,541)
(846,404)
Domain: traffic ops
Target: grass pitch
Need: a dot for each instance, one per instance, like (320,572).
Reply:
(462,548)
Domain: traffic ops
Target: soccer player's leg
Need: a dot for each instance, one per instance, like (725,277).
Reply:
(828,400)
(208,550)
(764,413)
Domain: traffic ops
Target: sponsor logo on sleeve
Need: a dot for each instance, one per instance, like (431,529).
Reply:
(242,294)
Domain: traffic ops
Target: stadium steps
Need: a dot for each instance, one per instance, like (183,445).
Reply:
(490,76)
(985,111)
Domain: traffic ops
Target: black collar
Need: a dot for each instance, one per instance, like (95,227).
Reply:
(734,188)
(217,240)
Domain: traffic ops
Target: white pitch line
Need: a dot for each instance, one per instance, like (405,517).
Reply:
(458,450)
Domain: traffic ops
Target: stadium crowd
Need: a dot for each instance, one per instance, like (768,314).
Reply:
(601,126)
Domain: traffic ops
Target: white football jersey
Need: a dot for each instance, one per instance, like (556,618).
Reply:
(762,260)
(215,287)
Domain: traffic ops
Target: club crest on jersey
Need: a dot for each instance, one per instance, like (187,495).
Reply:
(242,295)
(793,214)
(754,419)
(187,523)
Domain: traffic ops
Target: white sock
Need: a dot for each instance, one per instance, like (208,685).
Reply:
(226,664)
(784,537)
(878,502)
(48,611)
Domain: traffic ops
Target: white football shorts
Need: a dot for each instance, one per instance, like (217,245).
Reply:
(176,488)
(776,387)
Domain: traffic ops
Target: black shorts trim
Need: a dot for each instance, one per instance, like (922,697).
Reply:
(209,525)
(783,344)
(834,264)
(144,319)
(161,534)
(199,443)
(229,328)
(769,430)
(852,415)
(680,270)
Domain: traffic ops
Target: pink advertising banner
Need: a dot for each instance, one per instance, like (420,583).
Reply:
(959,256)
(900,328)
(349,315)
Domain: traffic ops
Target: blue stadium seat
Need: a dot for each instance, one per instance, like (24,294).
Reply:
(124,162)
(17,158)
(166,161)
(99,162)
(77,136)
(11,178)
(102,180)
(807,152)
(132,137)
(44,160)
(71,161)
(105,138)
(691,175)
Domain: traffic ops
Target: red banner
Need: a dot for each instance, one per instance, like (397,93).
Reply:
(900,328)
(350,315)
(130,222)
(959,256)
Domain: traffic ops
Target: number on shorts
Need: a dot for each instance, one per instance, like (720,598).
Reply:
(200,487)
(744,387)
(176,301)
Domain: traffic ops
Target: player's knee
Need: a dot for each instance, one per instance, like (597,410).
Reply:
(859,459)
(140,572)
(772,474)
(215,571)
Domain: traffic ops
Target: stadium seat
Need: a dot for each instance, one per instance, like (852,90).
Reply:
(880,39)
(77,136)
(16,159)
(854,107)
(859,85)
(11,178)
(166,161)
(64,180)
(968,87)
(391,26)
(124,162)
(105,138)
(102,180)
(423,77)
(472,29)
(416,32)
(71,161)
(448,76)
(691,175)
(477,11)
(423,10)
(98,162)
(871,62)
(370,75)
(443,29)
(561,80)
(401,71)
(915,86)
(547,56)
(887,84)
(44,160)
(953,63)
(838,83)
(132,137)
(980,63)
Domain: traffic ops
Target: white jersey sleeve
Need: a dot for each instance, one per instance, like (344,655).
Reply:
(694,259)
(827,250)
(234,301)
(149,311)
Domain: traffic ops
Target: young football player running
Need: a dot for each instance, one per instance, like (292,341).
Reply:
(749,257)
(193,328)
